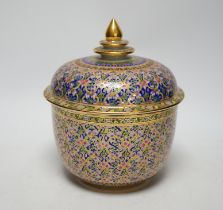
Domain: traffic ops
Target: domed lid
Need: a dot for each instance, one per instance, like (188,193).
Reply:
(114,81)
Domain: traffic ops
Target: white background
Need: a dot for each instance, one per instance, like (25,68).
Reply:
(36,37)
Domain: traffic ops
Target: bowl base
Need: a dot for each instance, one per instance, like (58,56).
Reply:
(115,188)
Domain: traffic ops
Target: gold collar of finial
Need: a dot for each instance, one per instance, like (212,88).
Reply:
(113,45)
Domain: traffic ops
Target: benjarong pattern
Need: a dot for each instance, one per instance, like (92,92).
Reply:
(113,150)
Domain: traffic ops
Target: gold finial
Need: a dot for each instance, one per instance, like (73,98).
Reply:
(113,45)
(113,31)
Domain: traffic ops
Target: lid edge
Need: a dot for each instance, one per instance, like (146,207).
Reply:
(114,110)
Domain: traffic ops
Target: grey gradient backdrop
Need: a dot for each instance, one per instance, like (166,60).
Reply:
(36,37)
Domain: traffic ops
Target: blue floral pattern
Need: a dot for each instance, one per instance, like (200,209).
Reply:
(128,85)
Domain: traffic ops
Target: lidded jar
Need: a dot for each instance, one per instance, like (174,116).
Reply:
(114,114)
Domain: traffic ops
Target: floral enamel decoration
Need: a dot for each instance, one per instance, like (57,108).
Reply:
(114,114)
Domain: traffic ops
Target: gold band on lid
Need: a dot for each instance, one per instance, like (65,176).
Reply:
(113,45)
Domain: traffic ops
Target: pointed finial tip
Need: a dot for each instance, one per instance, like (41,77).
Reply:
(114,45)
(113,31)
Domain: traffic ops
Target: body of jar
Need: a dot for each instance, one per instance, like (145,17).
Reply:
(113,150)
